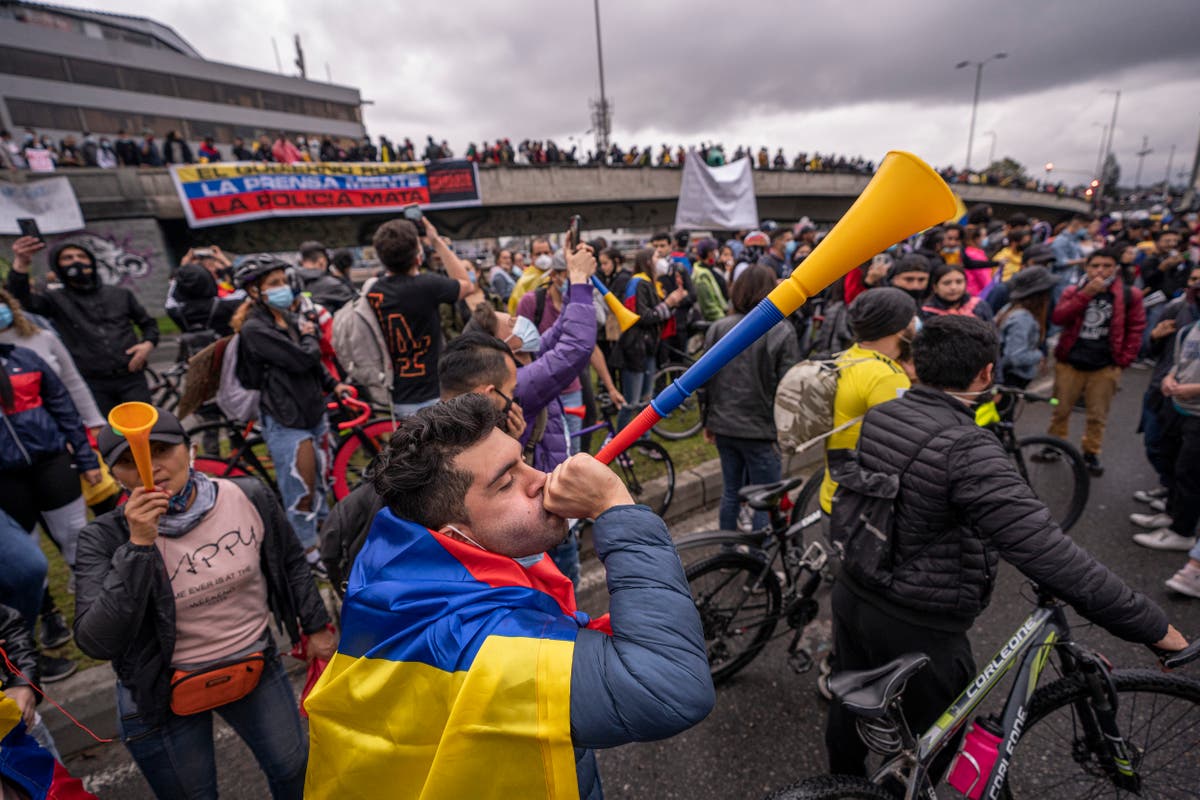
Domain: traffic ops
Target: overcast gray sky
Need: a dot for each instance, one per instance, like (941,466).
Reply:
(856,77)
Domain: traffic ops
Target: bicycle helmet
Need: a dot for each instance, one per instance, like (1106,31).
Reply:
(254,267)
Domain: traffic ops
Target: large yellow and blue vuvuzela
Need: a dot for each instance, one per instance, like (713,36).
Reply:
(452,678)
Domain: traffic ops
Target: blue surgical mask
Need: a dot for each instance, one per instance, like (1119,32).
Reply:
(280,297)
(6,317)
(527,332)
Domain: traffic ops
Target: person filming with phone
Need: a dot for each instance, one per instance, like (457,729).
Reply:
(1102,321)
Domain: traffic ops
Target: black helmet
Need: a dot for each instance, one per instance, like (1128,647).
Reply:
(255,266)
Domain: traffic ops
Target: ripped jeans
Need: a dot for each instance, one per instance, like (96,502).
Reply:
(283,443)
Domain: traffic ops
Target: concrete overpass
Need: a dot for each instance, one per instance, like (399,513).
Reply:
(135,216)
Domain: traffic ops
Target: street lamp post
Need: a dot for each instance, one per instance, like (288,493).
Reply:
(601,116)
(1112,126)
(1103,141)
(992,150)
(975,103)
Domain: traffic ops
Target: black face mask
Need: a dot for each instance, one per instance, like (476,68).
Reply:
(74,277)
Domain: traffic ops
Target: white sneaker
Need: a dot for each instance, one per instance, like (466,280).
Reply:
(1186,581)
(1165,539)
(1150,495)
(1151,521)
(1159,505)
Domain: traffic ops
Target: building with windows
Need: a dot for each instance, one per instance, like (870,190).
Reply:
(64,71)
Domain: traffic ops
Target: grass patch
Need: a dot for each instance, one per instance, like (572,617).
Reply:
(166,325)
(60,577)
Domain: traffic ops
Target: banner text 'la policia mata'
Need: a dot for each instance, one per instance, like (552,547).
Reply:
(219,194)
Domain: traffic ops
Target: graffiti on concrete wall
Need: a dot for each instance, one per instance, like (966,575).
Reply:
(129,252)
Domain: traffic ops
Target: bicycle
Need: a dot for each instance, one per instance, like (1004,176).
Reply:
(166,387)
(755,580)
(247,454)
(1087,722)
(641,466)
(686,420)
(1053,468)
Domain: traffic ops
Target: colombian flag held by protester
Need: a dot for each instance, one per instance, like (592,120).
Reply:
(24,763)
(452,678)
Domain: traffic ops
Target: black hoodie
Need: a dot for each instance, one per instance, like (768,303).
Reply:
(96,322)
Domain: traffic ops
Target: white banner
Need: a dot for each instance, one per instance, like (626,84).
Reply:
(720,198)
(51,202)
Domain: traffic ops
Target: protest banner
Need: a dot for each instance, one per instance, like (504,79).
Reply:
(220,194)
(719,198)
(51,202)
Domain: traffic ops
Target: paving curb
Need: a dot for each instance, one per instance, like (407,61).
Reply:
(89,694)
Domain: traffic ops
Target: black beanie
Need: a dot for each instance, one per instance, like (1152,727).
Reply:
(913,262)
(877,313)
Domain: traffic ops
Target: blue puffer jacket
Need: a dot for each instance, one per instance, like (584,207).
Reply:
(42,420)
(566,348)
(650,679)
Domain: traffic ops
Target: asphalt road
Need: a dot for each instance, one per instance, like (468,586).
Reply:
(766,729)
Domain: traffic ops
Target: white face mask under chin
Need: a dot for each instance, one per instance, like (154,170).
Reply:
(524,561)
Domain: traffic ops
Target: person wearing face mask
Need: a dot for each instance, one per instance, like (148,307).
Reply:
(948,295)
(962,505)
(910,275)
(183,579)
(465,660)
(96,322)
(279,354)
(874,370)
(540,256)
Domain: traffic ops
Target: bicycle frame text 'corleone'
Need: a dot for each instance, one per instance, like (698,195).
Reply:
(1031,646)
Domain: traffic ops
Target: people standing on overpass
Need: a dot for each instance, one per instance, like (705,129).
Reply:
(149,155)
(127,150)
(284,152)
(176,149)
(95,321)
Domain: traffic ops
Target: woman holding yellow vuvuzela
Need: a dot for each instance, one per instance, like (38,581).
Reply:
(177,588)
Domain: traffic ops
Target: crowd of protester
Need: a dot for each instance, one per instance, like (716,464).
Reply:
(483,357)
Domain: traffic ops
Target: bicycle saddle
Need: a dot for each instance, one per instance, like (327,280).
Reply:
(765,496)
(869,692)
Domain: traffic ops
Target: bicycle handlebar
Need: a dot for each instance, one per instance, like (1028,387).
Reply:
(350,400)
(1173,659)
(1024,395)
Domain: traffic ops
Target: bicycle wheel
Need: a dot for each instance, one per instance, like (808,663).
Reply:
(355,452)
(1056,473)
(1158,715)
(683,421)
(738,597)
(648,473)
(832,787)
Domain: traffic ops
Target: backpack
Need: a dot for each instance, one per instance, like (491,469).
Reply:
(361,349)
(804,403)
(863,516)
(238,392)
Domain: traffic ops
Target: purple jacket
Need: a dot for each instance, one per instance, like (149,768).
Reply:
(566,348)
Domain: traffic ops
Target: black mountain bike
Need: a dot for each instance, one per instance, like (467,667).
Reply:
(744,584)
(1093,732)
(1053,468)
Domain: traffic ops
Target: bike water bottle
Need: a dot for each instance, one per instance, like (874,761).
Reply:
(973,764)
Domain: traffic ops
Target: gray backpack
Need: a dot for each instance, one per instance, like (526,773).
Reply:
(361,349)
(804,403)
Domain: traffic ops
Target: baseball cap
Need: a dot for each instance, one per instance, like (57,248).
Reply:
(168,429)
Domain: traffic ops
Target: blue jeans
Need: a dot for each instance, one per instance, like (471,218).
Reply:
(24,571)
(1152,440)
(282,444)
(178,757)
(408,409)
(745,462)
(637,386)
(574,424)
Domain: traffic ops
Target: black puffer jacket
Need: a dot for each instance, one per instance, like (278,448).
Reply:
(962,505)
(125,609)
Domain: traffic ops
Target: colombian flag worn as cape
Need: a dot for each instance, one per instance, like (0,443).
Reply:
(452,678)
(24,763)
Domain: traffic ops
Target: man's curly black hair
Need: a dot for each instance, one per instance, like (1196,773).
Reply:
(415,475)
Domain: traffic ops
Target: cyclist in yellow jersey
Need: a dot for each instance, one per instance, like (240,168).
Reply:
(883,322)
